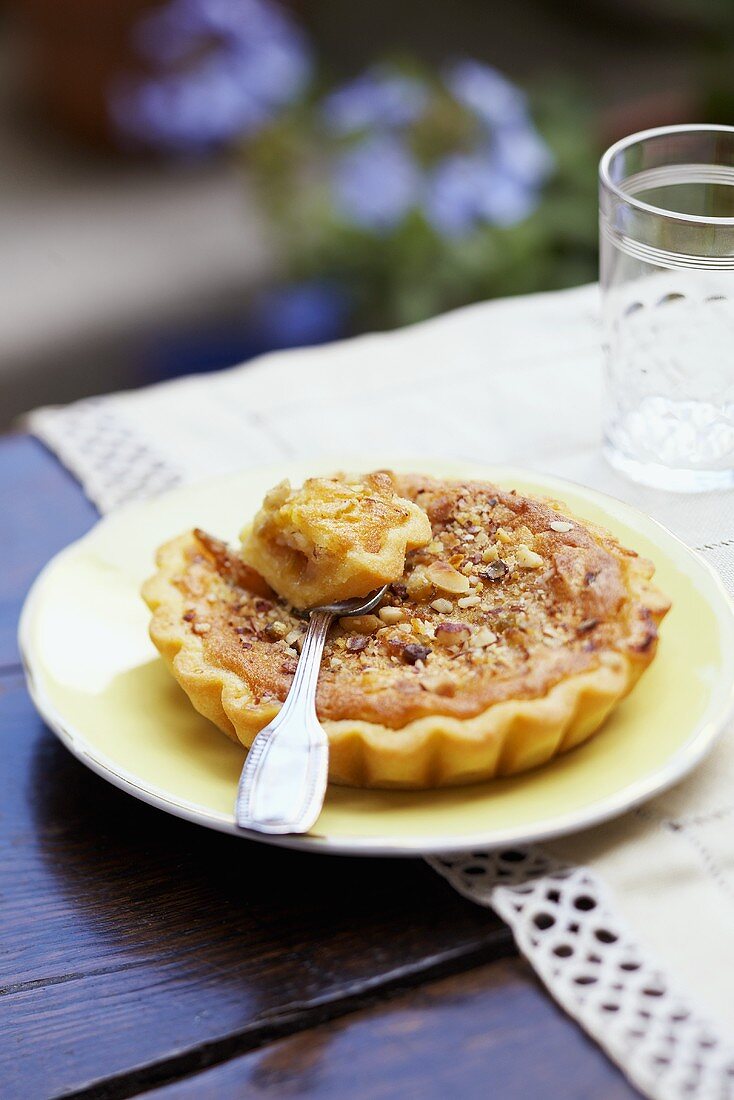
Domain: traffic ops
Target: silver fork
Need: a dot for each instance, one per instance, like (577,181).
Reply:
(283,782)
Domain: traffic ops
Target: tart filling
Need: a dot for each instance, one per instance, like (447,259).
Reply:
(509,637)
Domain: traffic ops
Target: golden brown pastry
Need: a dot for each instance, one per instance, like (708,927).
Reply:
(508,639)
(333,538)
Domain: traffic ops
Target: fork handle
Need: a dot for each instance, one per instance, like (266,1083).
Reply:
(283,781)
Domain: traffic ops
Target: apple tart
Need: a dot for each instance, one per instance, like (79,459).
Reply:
(508,638)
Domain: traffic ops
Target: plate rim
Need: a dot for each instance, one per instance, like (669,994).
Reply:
(686,757)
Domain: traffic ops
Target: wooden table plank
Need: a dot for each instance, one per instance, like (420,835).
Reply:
(132,938)
(489,1033)
(43,509)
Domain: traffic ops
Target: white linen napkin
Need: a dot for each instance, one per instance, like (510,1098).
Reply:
(512,381)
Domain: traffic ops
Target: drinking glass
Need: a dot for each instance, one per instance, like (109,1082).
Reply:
(667,278)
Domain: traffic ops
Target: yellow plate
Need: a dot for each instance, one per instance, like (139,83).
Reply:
(98,682)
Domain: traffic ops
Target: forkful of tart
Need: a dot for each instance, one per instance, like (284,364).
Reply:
(330,549)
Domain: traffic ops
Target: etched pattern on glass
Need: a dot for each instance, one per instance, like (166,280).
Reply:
(671,377)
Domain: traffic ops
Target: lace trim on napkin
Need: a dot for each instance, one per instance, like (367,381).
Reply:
(114,465)
(559,914)
(565,925)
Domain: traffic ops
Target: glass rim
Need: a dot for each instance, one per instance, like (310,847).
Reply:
(643,135)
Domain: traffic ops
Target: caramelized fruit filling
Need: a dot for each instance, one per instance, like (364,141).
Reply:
(334,538)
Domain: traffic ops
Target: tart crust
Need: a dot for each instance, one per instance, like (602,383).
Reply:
(444,688)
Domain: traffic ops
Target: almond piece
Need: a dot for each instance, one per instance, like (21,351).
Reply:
(418,585)
(483,637)
(527,558)
(446,578)
(275,630)
(360,624)
(496,570)
(413,653)
(391,615)
(448,633)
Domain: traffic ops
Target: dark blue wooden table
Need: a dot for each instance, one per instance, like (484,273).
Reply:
(144,954)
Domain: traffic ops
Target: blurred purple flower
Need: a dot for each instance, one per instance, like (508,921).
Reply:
(310,312)
(169,33)
(465,190)
(505,201)
(510,172)
(376,183)
(247,60)
(451,195)
(523,154)
(486,93)
(379,98)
